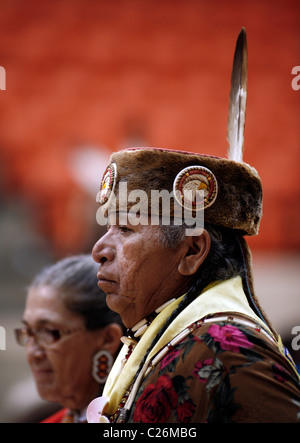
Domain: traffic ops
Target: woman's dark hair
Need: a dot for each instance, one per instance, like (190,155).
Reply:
(75,280)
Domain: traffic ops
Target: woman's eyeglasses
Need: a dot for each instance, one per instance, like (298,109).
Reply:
(42,336)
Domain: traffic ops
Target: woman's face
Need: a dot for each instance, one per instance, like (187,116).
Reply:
(62,370)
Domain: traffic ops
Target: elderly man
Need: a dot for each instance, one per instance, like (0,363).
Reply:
(199,347)
(176,267)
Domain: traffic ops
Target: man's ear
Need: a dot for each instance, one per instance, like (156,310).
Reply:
(197,247)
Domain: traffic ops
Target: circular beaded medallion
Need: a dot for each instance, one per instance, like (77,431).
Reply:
(107,183)
(187,184)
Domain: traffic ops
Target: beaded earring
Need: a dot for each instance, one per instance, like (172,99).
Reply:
(102,363)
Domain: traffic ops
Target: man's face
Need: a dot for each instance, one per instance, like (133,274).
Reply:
(137,273)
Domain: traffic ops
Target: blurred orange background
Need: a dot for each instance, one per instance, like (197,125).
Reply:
(84,78)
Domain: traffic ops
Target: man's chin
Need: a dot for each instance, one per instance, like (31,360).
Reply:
(120,304)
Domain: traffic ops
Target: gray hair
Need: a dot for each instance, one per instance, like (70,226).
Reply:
(75,280)
(171,235)
(224,259)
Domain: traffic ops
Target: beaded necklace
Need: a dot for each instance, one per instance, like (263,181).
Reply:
(131,340)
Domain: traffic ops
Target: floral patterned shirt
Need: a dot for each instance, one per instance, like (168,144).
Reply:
(220,372)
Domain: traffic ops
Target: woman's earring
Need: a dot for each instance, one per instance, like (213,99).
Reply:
(102,363)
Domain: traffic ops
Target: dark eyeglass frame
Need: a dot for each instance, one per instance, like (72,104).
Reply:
(43,336)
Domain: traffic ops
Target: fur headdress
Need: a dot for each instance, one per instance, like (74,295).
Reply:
(232,192)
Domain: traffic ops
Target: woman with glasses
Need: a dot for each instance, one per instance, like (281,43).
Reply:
(70,335)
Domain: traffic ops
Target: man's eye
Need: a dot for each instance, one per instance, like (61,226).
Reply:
(124,229)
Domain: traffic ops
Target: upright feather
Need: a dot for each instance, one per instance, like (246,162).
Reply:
(238,99)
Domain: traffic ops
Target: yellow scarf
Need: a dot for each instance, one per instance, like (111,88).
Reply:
(227,296)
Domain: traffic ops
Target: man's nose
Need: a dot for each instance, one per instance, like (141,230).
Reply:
(103,250)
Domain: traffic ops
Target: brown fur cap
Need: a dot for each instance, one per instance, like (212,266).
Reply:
(238,204)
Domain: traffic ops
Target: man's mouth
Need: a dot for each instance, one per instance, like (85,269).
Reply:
(105,282)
